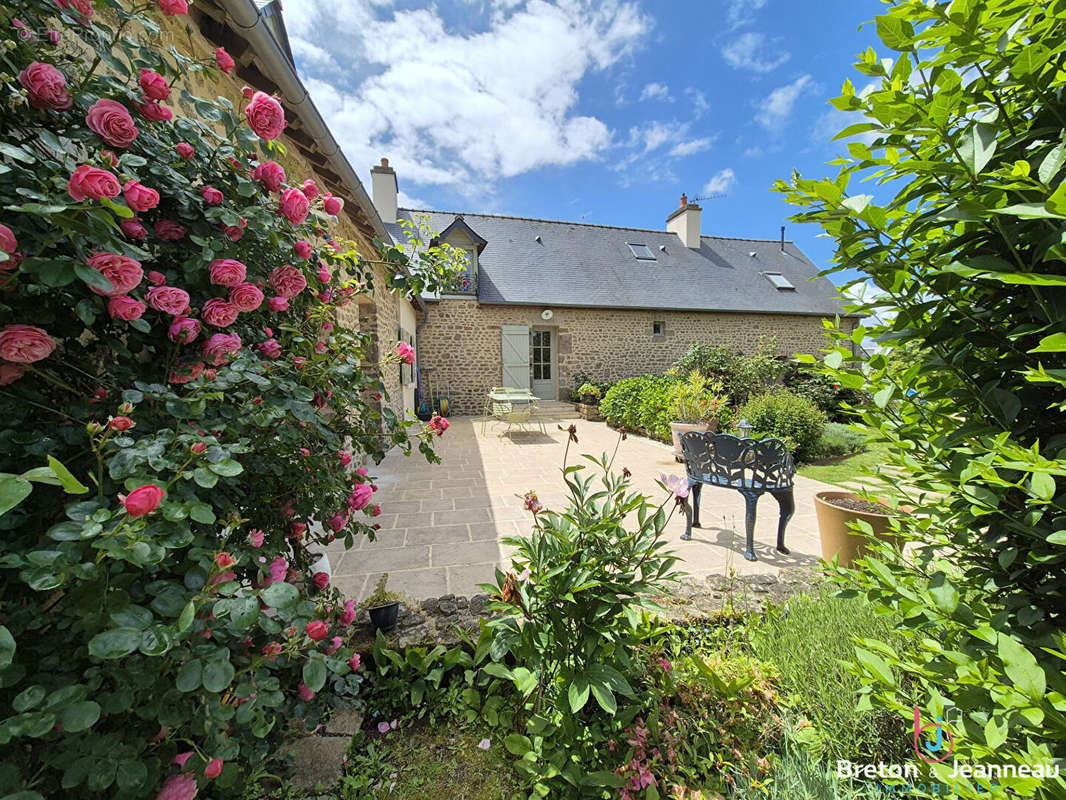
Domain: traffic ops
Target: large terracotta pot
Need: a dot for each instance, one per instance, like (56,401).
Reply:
(835,531)
(678,428)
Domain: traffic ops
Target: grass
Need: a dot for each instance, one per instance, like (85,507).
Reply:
(797,776)
(850,469)
(428,763)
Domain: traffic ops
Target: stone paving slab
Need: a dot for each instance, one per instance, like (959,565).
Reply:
(441,524)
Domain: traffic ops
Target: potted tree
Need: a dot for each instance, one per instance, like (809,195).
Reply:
(696,404)
(383,606)
(836,512)
(587,400)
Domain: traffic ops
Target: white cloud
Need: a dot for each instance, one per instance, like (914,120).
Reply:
(691,146)
(755,52)
(776,107)
(698,99)
(656,91)
(461,108)
(740,12)
(721,182)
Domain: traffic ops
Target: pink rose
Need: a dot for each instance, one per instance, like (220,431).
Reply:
(334,643)
(305,693)
(156,278)
(179,787)
(302,248)
(337,522)
(221,345)
(134,229)
(354,662)
(317,630)
(279,568)
(324,275)
(46,87)
(219,313)
(246,296)
(211,195)
(406,353)
(110,120)
(125,307)
(310,189)
(320,579)
(83,7)
(153,85)
(8,243)
(185,150)
(269,349)
(332,205)
(294,206)
(183,329)
(173,8)
(213,768)
(271,174)
(9,373)
(265,116)
(278,304)
(272,649)
(93,183)
(184,373)
(143,501)
(124,273)
(224,60)
(168,299)
(255,537)
(235,232)
(438,425)
(345,458)
(154,112)
(139,197)
(53,37)
(24,344)
(287,281)
(168,230)
(120,423)
(199,448)
(360,497)
(227,271)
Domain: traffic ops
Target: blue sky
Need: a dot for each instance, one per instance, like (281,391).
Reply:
(602,111)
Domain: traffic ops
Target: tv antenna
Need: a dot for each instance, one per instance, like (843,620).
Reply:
(711,196)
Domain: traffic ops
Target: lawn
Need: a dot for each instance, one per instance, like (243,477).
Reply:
(849,470)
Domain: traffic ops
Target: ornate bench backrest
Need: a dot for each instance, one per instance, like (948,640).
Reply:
(725,460)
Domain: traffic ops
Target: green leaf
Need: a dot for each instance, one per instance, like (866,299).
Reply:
(17,153)
(604,697)
(834,359)
(944,593)
(186,617)
(995,735)
(70,484)
(882,397)
(1056,203)
(497,670)
(94,277)
(280,595)
(204,477)
(517,744)
(189,676)
(1058,537)
(119,210)
(895,32)
(217,675)
(578,694)
(1022,668)
(1055,343)
(977,147)
(79,717)
(202,512)
(314,674)
(1042,485)
(1051,164)
(7,647)
(115,643)
(227,467)
(877,665)
(1028,211)
(13,490)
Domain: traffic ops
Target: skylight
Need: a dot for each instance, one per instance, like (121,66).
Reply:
(641,252)
(779,281)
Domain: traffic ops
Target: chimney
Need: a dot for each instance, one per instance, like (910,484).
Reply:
(384,188)
(685,222)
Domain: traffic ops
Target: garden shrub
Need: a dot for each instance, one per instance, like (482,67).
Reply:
(836,440)
(965,267)
(698,399)
(780,414)
(169,356)
(741,376)
(824,391)
(640,404)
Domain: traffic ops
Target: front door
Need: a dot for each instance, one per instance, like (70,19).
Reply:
(543,364)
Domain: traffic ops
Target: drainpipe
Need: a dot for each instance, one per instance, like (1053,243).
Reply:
(247,20)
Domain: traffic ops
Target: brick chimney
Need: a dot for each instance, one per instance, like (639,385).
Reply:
(685,222)
(384,188)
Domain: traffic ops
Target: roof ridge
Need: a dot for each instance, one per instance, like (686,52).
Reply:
(585,224)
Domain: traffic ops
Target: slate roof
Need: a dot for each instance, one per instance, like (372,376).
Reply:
(591,266)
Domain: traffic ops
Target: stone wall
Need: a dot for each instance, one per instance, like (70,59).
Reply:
(461,340)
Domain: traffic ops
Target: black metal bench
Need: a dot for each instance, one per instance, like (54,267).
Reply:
(751,466)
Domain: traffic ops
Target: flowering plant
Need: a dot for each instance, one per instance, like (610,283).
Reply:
(163,352)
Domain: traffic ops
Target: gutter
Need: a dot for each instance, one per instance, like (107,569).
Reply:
(248,21)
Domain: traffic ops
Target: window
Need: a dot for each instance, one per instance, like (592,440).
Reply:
(641,252)
(658,328)
(542,355)
(779,281)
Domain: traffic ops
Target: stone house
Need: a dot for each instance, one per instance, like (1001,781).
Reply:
(545,305)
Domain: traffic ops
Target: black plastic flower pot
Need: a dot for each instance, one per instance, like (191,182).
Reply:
(383,618)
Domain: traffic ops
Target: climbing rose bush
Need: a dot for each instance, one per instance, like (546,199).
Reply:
(184,418)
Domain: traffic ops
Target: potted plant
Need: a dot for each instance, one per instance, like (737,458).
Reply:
(383,606)
(587,400)
(836,512)
(696,404)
